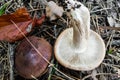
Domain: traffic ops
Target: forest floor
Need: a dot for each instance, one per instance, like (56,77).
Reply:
(105,20)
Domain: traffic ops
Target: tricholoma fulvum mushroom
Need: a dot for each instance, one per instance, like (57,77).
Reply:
(28,62)
(79,47)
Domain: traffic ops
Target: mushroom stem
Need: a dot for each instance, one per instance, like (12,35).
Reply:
(78,47)
(79,41)
(80,30)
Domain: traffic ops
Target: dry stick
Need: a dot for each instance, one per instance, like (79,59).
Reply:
(51,69)
(111,28)
(117,19)
(44,2)
(11,61)
(115,57)
(61,18)
(59,78)
(100,10)
(31,6)
(112,35)
(40,53)
(103,6)
(97,25)
(9,6)
(73,77)
(110,38)
(100,74)
(111,65)
(34,77)
(51,35)
(33,10)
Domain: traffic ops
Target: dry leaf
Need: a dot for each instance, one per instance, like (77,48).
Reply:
(20,15)
(9,32)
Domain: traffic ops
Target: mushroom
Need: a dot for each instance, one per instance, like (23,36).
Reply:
(53,10)
(28,62)
(79,47)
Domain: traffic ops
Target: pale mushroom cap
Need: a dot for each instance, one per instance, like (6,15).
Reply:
(71,58)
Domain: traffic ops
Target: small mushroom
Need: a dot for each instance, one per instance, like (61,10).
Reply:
(28,62)
(53,10)
(78,47)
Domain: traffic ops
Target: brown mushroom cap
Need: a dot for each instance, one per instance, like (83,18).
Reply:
(28,62)
(72,58)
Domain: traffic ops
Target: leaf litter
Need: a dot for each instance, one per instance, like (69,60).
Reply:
(105,20)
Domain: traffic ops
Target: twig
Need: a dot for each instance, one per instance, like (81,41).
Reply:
(98,29)
(114,57)
(40,53)
(63,73)
(34,77)
(11,61)
(58,77)
(100,10)
(33,10)
(110,38)
(51,35)
(99,74)
(55,31)
(111,28)
(116,67)
(51,70)
(44,2)
(94,23)
(31,6)
(61,18)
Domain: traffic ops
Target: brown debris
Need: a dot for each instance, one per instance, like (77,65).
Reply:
(9,32)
